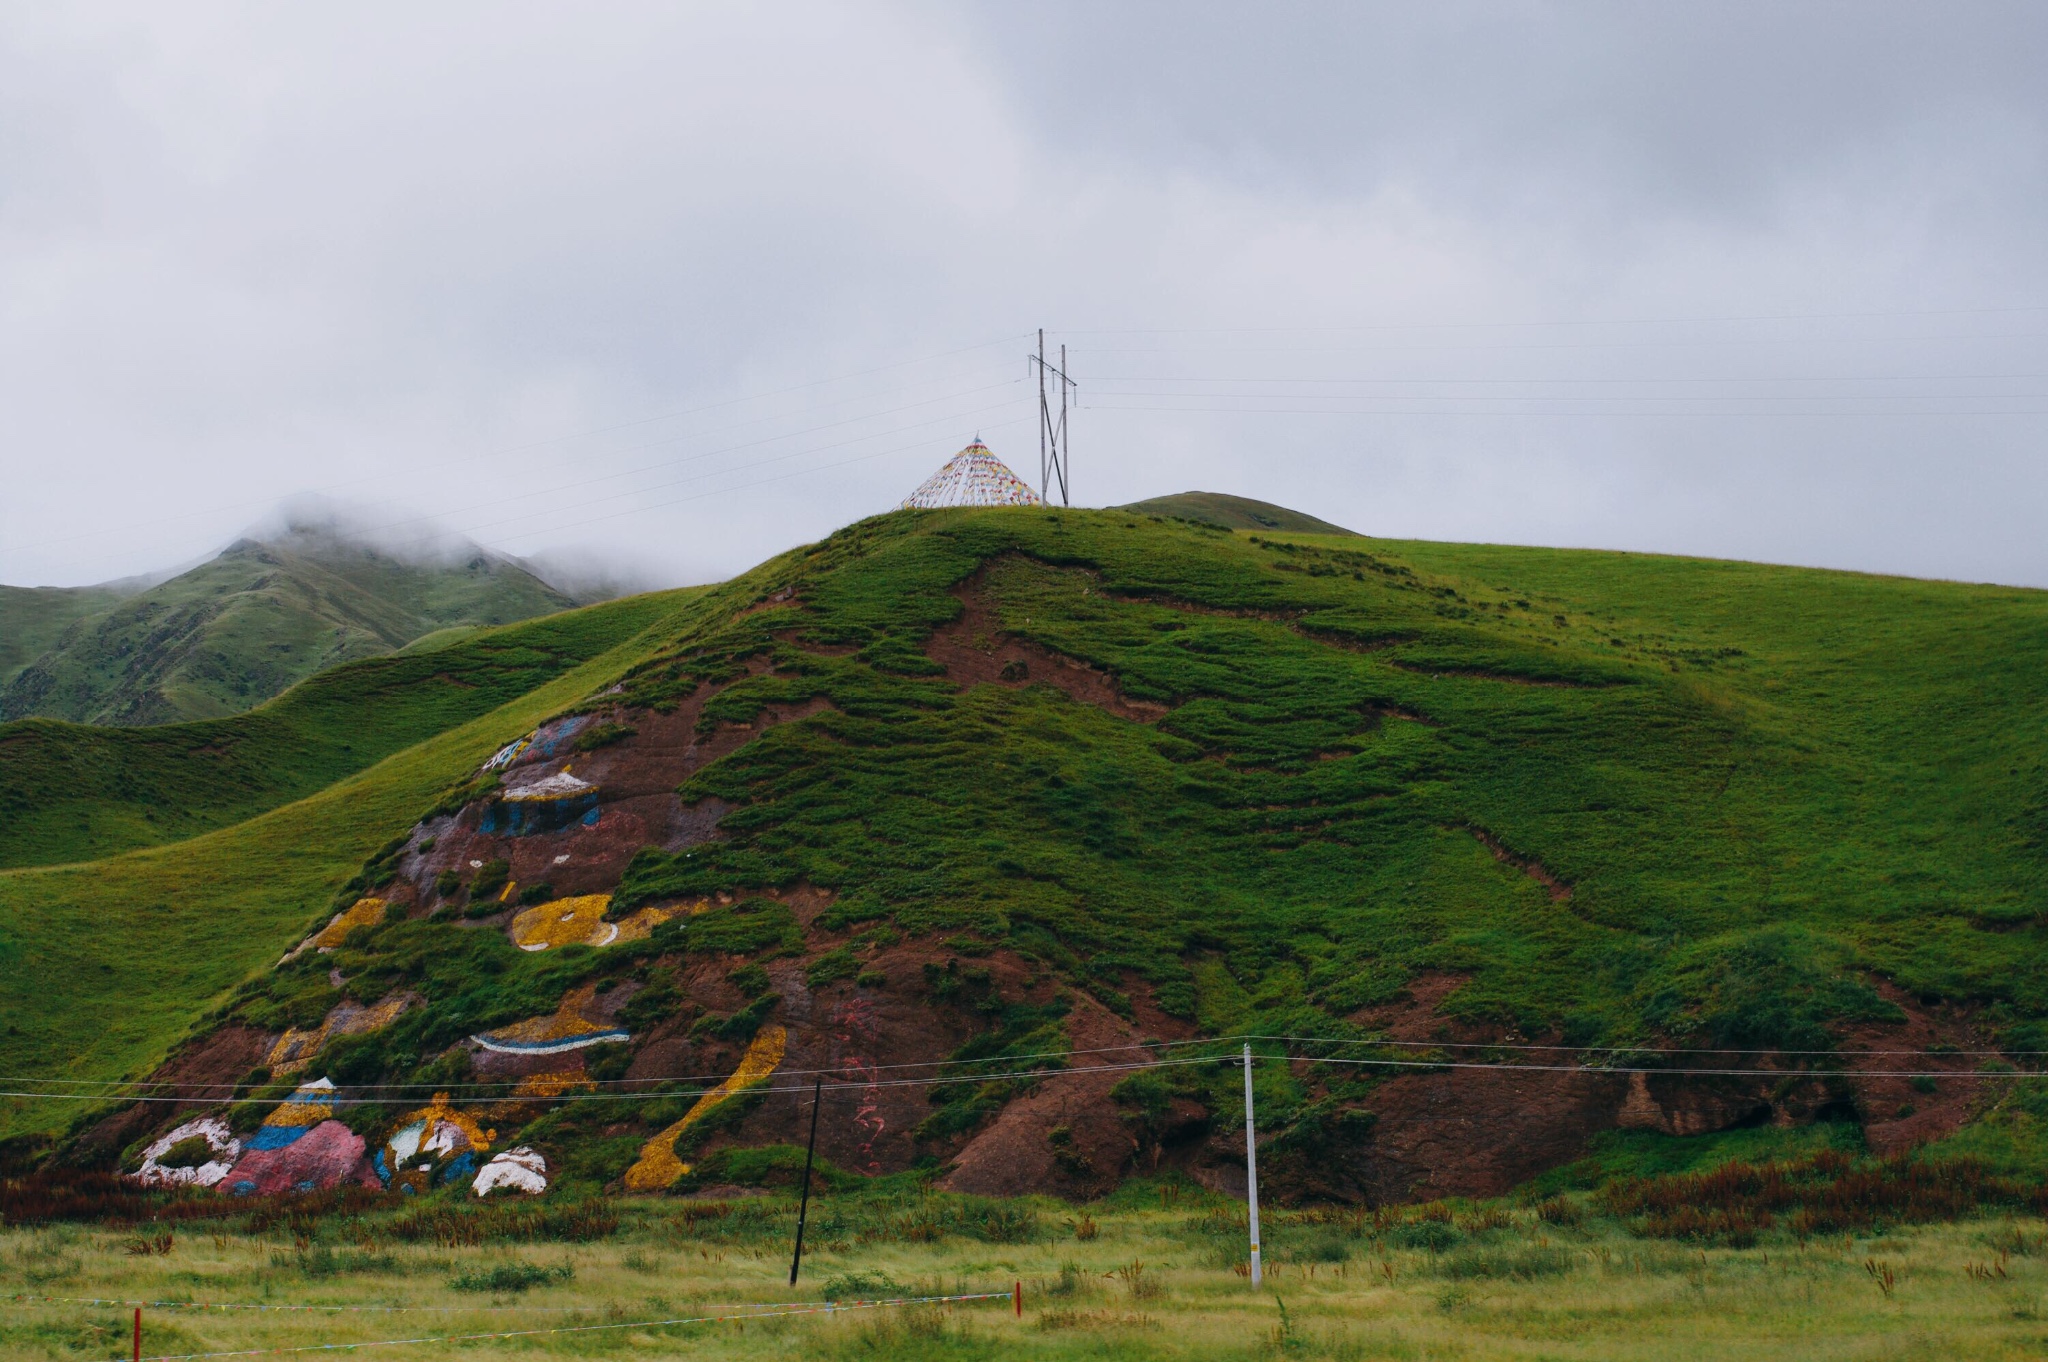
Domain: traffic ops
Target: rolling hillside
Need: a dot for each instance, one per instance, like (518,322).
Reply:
(235,631)
(975,788)
(33,618)
(76,792)
(1233,513)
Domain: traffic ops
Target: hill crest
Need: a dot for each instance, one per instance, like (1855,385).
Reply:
(246,625)
(1234,513)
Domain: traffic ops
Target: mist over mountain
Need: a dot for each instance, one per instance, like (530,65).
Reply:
(315,585)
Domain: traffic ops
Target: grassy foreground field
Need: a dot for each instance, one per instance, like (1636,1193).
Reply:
(1153,1274)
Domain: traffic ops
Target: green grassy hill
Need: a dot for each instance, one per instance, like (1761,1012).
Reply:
(77,792)
(145,942)
(1191,779)
(1233,513)
(235,631)
(33,618)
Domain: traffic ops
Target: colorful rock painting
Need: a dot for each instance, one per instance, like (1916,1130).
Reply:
(325,1155)
(853,1028)
(307,1107)
(516,1170)
(580,921)
(361,913)
(561,785)
(539,745)
(549,737)
(544,806)
(566,1029)
(565,922)
(509,753)
(297,1048)
(435,1145)
(207,1139)
(658,1167)
(641,925)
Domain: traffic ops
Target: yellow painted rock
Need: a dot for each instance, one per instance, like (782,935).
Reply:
(658,1166)
(565,922)
(361,913)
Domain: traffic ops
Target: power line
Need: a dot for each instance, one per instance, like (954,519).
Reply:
(739,1313)
(703,454)
(1587,397)
(1633,343)
(537,444)
(239,1087)
(764,482)
(952,418)
(1490,381)
(1404,412)
(340,1097)
(1707,319)
(1149,1046)
(493,1308)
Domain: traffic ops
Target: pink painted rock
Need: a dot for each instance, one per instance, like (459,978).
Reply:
(327,1155)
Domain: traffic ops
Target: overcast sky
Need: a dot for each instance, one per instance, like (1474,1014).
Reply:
(678,286)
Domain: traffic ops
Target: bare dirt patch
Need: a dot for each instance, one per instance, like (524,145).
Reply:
(1478,1132)
(975,651)
(1065,1135)
(637,779)
(1897,1115)
(203,1072)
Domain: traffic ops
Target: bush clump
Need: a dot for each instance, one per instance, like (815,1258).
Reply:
(1520,1263)
(491,878)
(603,735)
(511,1278)
(1827,1193)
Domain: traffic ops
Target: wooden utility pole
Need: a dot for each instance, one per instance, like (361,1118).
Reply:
(1053,448)
(803,1205)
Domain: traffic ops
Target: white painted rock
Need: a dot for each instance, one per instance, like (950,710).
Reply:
(220,1143)
(521,1169)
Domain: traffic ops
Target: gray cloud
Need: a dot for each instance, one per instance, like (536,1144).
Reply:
(472,260)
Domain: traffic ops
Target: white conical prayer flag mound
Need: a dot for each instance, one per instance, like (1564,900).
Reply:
(973,477)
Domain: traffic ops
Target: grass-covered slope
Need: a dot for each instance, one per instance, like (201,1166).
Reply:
(243,627)
(33,618)
(105,965)
(74,792)
(1266,782)
(1233,513)
(1736,786)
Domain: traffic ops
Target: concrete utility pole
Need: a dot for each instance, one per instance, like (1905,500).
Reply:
(1251,1160)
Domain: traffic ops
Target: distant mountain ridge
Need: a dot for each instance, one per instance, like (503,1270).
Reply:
(243,627)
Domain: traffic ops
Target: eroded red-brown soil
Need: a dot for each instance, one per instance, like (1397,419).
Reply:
(975,651)
(1896,1115)
(1065,1135)
(638,804)
(1559,891)
(201,1075)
